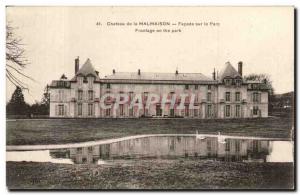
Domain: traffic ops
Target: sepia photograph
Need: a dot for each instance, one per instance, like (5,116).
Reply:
(150,98)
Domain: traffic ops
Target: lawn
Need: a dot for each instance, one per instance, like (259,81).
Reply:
(151,174)
(58,131)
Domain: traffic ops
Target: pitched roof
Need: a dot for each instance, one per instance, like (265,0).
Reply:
(86,69)
(229,71)
(158,76)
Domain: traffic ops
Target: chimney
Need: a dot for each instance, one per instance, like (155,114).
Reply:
(214,75)
(97,73)
(114,71)
(240,68)
(176,72)
(139,72)
(76,65)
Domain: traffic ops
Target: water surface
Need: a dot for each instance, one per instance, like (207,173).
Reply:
(216,148)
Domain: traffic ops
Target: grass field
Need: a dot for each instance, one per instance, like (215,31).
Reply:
(54,131)
(151,174)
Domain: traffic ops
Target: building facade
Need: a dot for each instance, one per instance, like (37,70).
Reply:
(193,95)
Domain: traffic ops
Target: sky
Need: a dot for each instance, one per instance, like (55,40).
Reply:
(261,37)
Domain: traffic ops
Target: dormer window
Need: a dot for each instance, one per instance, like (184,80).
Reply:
(238,82)
(227,82)
(90,81)
(80,81)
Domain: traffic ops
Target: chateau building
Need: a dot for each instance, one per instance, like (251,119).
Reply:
(225,95)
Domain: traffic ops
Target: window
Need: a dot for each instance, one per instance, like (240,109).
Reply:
(80,93)
(227,146)
(90,81)
(108,86)
(209,96)
(237,96)
(90,149)
(186,86)
(79,150)
(107,112)
(91,95)
(158,110)
(209,112)
(237,145)
(131,95)
(238,111)
(121,110)
(60,95)
(238,82)
(227,97)
(227,111)
(80,81)
(209,145)
(131,112)
(172,112)
(255,97)
(90,109)
(227,82)
(61,110)
(145,96)
(79,109)
(255,110)
(186,110)
(196,87)
(209,87)
(145,111)
(195,112)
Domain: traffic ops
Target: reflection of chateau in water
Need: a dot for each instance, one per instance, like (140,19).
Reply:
(170,147)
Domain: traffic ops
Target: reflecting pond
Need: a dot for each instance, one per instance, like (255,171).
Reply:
(166,147)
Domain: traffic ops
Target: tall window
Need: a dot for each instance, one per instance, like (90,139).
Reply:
(90,109)
(121,109)
(145,96)
(60,95)
(131,112)
(196,87)
(80,81)
(237,111)
(227,97)
(61,110)
(91,95)
(107,112)
(209,112)
(158,110)
(255,97)
(172,112)
(237,145)
(255,110)
(209,96)
(186,110)
(237,96)
(227,111)
(80,109)
(90,81)
(130,95)
(195,112)
(186,86)
(80,93)
(108,86)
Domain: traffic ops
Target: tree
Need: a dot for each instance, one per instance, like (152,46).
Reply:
(261,78)
(15,59)
(17,105)
(45,103)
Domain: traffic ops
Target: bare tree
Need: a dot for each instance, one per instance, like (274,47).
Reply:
(15,59)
